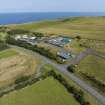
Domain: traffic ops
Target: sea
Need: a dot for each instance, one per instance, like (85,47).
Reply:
(19,18)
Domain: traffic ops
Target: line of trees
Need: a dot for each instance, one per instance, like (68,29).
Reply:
(18,31)
(99,84)
(20,83)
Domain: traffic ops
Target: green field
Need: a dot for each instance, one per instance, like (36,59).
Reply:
(3,35)
(7,53)
(45,92)
(87,96)
(94,66)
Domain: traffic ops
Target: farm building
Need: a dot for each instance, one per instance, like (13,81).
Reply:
(64,55)
(28,39)
(59,41)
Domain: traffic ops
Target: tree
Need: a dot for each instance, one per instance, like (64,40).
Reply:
(17,31)
(78,37)
(38,34)
(22,79)
(71,68)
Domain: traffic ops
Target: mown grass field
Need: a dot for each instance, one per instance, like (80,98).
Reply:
(87,96)
(45,92)
(94,66)
(7,53)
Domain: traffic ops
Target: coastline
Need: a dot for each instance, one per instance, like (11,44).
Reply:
(28,18)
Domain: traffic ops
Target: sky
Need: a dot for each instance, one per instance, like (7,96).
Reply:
(52,5)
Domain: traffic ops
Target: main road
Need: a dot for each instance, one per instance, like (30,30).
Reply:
(100,98)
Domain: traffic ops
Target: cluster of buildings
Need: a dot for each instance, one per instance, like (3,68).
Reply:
(26,38)
(59,41)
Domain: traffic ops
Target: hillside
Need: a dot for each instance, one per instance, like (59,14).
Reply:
(87,27)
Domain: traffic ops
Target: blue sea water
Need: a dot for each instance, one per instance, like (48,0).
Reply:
(18,18)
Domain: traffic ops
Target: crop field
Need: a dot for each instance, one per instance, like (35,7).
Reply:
(45,92)
(14,64)
(94,66)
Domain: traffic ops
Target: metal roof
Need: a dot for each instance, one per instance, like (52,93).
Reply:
(64,55)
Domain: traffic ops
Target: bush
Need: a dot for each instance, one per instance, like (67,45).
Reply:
(22,79)
(3,46)
(17,31)
(71,68)
(38,34)
(78,37)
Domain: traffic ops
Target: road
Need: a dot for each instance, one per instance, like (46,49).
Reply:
(71,76)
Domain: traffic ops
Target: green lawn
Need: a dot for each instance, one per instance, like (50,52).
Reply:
(7,53)
(94,66)
(45,92)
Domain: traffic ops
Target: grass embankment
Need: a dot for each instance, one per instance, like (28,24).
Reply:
(45,92)
(7,53)
(87,96)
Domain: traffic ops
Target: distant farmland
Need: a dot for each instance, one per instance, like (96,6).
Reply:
(85,27)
